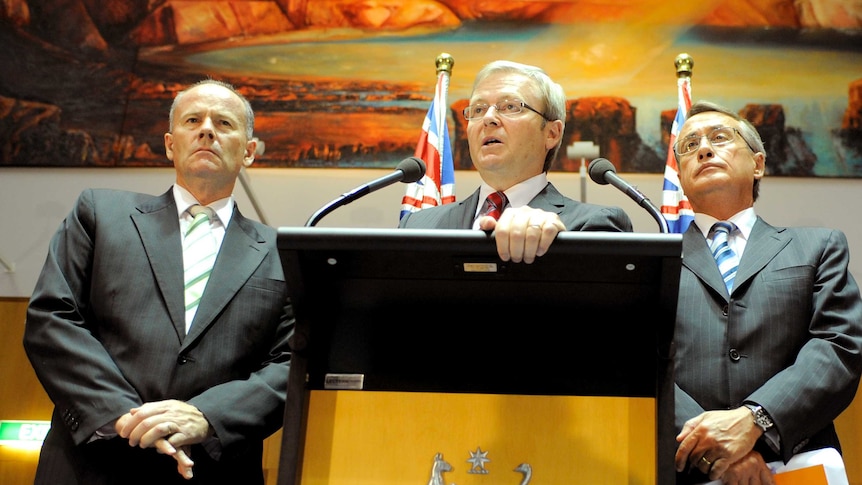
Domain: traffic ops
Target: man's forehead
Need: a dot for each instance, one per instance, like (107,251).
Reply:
(705,121)
(199,105)
(211,93)
(502,83)
(496,96)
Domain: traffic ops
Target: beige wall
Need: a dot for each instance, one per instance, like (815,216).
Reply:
(35,200)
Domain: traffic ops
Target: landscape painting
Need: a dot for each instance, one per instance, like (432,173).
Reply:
(346,83)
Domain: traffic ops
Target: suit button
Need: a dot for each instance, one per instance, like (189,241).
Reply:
(182,360)
(734,355)
(724,310)
(71,420)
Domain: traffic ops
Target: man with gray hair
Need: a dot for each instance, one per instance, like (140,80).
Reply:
(516,120)
(768,332)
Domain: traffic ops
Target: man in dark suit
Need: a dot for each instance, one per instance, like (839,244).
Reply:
(134,380)
(516,119)
(762,369)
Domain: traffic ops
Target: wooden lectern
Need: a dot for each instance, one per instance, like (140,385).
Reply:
(430,327)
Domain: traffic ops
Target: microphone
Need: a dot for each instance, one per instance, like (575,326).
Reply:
(408,171)
(603,172)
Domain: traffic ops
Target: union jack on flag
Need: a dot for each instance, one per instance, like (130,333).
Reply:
(675,207)
(437,186)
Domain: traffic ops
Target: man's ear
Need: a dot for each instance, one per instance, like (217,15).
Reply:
(555,134)
(250,150)
(759,165)
(169,146)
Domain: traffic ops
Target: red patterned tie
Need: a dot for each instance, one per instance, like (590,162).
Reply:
(494,205)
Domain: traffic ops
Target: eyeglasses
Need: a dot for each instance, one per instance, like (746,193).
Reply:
(720,136)
(506,107)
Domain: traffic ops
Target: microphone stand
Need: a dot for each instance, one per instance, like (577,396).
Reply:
(246,185)
(408,170)
(602,172)
(656,214)
(335,204)
(644,202)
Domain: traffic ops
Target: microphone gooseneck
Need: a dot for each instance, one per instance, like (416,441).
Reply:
(408,171)
(603,172)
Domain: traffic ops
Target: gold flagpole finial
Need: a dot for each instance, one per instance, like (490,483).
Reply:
(684,65)
(445,62)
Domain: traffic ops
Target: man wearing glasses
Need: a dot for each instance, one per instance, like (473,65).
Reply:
(769,322)
(516,119)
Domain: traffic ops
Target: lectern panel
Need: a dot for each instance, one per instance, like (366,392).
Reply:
(437,311)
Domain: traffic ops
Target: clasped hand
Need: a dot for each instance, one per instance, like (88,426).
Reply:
(720,444)
(170,426)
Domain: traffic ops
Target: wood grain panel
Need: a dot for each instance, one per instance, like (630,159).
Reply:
(454,428)
(391,438)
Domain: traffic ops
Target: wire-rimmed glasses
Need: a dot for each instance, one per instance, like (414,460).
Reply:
(505,107)
(716,137)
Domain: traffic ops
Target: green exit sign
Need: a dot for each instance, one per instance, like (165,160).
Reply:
(19,432)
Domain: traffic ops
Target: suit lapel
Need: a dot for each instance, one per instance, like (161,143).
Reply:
(764,243)
(241,252)
(463,217)
(159,229)
(698,258)
(464,213)
(549,199)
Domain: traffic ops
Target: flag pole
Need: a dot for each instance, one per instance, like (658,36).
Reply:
(675,206)
(444,63)
(684,65)
(437,186)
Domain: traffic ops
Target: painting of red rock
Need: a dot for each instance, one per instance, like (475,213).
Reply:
(347,83)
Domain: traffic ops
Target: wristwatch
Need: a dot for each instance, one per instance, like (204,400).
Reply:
(760,417)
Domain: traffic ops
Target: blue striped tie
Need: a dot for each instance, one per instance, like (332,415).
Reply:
(727,260)
(199,253)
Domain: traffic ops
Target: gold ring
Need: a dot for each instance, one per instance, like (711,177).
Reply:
(708,463)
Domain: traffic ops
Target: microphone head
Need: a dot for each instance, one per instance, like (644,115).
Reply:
(413,168)
(598,168)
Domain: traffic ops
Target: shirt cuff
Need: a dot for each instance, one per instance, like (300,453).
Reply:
(106,432)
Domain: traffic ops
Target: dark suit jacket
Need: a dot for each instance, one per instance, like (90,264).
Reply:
(789,339)
(577,216)
(105,333)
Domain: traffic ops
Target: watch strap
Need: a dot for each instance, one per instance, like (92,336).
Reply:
(761,417)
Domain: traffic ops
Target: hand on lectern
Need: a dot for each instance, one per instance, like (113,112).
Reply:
(523,233)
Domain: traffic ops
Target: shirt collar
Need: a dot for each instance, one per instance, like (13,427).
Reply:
(519,194)
(223,208)
(744,221)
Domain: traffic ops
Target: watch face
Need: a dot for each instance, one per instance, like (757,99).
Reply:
(762,419)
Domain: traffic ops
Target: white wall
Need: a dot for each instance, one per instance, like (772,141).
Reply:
(35,200)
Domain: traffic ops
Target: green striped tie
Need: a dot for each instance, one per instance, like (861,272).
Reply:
(199,254)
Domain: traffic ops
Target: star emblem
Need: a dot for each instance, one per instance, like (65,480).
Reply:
(478,460)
